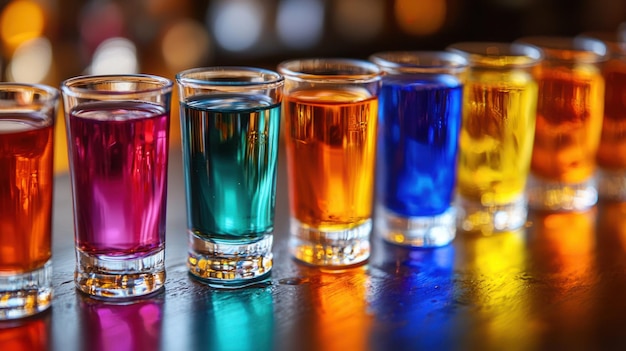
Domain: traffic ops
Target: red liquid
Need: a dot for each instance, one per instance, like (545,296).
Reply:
(119,170)
(612,149)
(25,192)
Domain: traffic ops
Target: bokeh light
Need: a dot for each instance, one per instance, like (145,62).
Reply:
(299,23)
(31,61)
(99,21)
(115,56)
(21,21)
(359,20)
(420,17)
(186,44)
(236,24)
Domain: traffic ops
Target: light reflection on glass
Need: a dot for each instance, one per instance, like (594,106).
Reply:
(300,23)
(236,24)
(121,326)
(115,56)
(413,299)
(495,281)
(31,61)
(234,320)
(359,20)
(30,334)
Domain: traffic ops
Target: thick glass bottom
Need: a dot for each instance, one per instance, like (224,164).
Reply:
(119,277)
(432,231)
(25,294)
(330,248)
(612,185)
(555,196)
(488,219)
(224,265)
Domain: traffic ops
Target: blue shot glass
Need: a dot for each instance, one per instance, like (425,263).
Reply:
(420,115)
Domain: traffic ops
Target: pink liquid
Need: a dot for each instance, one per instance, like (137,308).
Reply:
(119,156)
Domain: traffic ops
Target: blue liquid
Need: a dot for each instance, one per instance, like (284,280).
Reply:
(420,119)
(230,150)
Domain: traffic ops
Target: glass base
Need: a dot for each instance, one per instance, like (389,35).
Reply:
(433,231)
(119,277)
(488,219)
(25,294)
(612,185)
(224,265)
(555,196)
(330,248)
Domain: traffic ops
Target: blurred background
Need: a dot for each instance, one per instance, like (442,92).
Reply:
(47,41)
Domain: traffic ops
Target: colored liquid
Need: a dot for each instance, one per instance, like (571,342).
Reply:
(331,145)
(419,124)
(569,120)
(118,157)
(612,149)
(25,192)
(496,136)
(230,151)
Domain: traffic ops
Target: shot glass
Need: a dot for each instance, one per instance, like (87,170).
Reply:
(419,121)
(230,122)
(118,143)
(611,155)
(496,140)
(569,122)
(330,111)
(27,118)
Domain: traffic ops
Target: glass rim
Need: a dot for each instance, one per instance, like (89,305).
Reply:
(371,72)
(498,54)
(273,78)
(420,61)
(615,43)
(52,93)
(70,86)
(577,49)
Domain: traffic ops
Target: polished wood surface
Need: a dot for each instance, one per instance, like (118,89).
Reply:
(559,284)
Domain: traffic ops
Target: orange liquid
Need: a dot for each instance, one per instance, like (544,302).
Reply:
(612,149)
(496,136)
(331,145)
(569,120)
(25,198)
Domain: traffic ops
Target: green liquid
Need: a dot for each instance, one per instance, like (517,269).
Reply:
(230,151)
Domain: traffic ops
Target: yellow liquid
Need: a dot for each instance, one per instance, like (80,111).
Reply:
(496,136)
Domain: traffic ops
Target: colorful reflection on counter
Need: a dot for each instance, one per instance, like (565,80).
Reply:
(413,312)
(494,288)
(32,334)
(234,320)
(562,247)
(130,326)
(340,320)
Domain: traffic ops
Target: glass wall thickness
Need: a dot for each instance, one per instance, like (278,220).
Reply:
(27,118)
(569,122)
(230,122)
(496,140)
(118,142)
(330,112)
(419,123)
